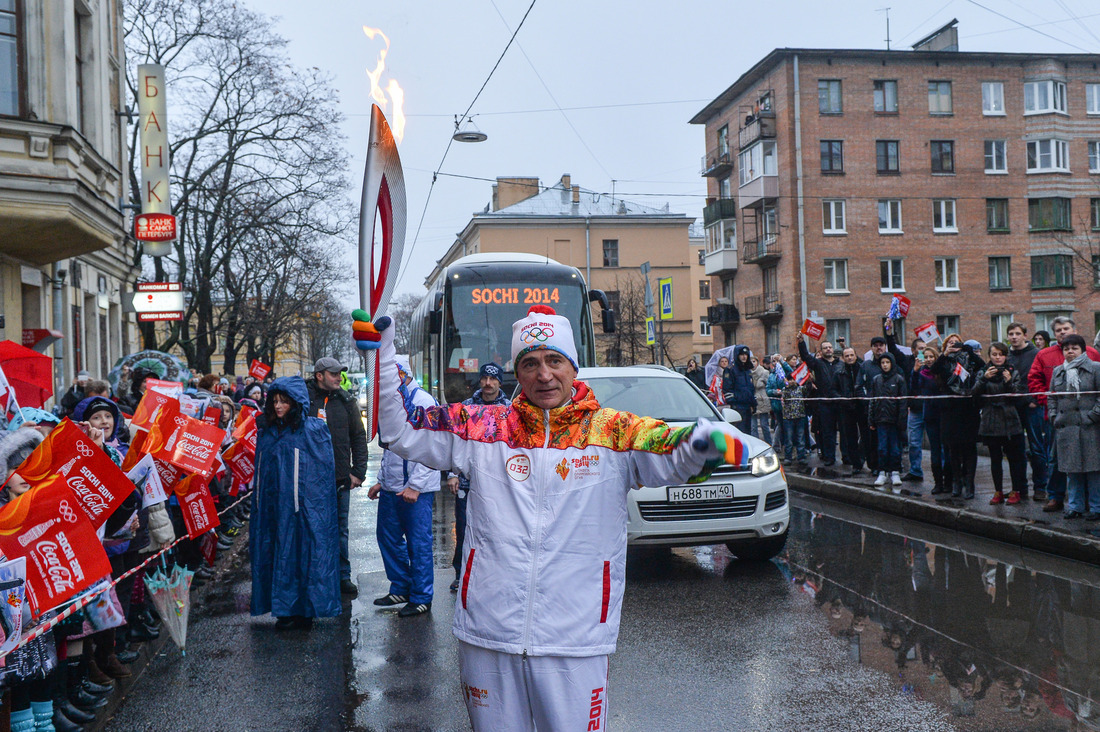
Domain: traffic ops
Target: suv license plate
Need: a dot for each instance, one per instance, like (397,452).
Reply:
(690,493)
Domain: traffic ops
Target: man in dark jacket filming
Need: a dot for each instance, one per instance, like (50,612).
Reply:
(338,409)
(826,371)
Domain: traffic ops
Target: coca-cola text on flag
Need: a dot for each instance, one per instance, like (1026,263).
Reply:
(241,462)
(246,433)
(812,329)
(64,555)
(197,505)
(184,442)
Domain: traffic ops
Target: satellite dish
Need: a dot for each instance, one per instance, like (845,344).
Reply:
(469,133)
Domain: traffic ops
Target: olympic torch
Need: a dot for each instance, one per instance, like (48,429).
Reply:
(379,252)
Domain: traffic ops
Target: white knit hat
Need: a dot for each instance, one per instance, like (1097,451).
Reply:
(543,329)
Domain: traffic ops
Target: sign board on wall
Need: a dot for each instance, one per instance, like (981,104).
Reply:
(153,150)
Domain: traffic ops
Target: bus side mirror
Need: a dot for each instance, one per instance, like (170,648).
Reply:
(435,322)
(608,315)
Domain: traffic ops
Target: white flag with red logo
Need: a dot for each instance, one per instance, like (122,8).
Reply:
(801,374)
(928,332)
(962,373)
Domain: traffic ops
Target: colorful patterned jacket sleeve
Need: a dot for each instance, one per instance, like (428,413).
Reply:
(660,455)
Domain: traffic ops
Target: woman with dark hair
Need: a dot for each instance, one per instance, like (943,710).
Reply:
(1041,339)
(293,537)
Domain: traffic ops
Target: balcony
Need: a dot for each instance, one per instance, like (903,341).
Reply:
(758,189)
(720,261)
(723,314)
(758,127)
(768,306)
(716,164)
(723,208)
(765,251)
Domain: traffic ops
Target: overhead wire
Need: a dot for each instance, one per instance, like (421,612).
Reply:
(1077,19)
(584,107)
(1028,27)
(435,175)
(1061,21)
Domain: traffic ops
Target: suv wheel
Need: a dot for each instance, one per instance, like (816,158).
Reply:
(758,550)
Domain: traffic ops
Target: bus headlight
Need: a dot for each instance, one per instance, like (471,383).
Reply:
(765,463)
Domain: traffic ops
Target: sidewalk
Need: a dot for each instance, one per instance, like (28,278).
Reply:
(1022,525)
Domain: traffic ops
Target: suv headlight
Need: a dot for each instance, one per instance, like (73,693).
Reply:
(765,463)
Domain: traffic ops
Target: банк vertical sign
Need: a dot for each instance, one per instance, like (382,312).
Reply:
(153,114)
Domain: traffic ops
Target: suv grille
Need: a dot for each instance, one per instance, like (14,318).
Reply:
(701,510)
(775,500)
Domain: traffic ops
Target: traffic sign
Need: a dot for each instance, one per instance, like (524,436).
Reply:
(664,293)
(650,336)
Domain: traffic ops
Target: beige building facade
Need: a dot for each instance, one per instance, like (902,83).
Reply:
(607,239)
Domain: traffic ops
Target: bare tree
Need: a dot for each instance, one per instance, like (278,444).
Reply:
(627,345)
(401,310)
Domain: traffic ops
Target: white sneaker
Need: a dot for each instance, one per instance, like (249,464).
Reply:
(881,479)
(895,478)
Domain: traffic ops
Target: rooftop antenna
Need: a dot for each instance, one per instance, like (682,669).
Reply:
(887,11)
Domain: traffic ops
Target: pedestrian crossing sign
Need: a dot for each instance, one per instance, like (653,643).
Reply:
(650,336)
(664,291)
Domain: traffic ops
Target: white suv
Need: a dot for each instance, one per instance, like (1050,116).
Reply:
(744,508)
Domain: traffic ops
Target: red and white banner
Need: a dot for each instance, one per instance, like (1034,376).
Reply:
(812,329)
(962,373)
(199,513)
(9,406)
(149,406)
(801,374)
(96,482)
(64,555)
(212,415)
(259,369)
(928,332)
(241,462)
(246,433)
(146,476)
(187,443)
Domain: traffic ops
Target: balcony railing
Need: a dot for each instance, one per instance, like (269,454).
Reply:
(761,252)
(723,314)
(756,128)
(768,305)
(723,208)
(716,164)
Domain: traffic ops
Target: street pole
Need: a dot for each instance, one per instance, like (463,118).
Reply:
(649,313)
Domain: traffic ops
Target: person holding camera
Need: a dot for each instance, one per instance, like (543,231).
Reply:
(1001,429)
(956,371)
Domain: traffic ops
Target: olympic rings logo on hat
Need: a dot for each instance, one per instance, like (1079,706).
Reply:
(536,333)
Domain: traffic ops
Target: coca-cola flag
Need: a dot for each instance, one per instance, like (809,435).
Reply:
(259,369)
(187,443)
(212,415)
(64,555)
(173,389)
(813,330)
(97,483)
(241,462)
(136,451)
(149,406)
(197,505)
(245,433)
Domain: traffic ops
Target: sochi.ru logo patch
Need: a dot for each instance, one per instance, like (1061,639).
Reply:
(563,469)
(518,467)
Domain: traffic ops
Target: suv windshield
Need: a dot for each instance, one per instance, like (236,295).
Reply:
(661,397)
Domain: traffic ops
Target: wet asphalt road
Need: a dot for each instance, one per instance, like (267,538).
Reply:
(707,643)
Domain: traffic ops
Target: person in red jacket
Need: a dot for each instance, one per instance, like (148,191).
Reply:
(1038,382)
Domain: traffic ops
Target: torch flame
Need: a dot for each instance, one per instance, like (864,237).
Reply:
(396,94)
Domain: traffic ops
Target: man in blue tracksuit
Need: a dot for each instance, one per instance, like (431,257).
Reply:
(489,380)
(404,526)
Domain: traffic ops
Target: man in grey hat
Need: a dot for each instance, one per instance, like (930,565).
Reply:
(336,407)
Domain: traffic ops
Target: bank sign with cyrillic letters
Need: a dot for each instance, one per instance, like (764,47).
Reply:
(153,151)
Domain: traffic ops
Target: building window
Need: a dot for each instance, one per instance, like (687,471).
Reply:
(886,97)
(1094,156)
(1052,271)
(1049,214)
(9,58)
(892,275)
(889,216)
(1045,320)
(996,214)
(939,97)
(828,96)
(756,161)
(704,326)
(943,156)
(1094,213)
(1096,270)
(704,289)
(1092,98)
(832,214)
(839,331)
(613,300)
(998,326)
(996,159)
(724,141)
(724,190)
(702,257)
(947,274)
(836,276)
(943,216)
(947,325)
(1041,97)
(80,26)
(611,252)
(993,98)
(832,156)
(886,156)
(1000,273)
(771,339)
(1047,155)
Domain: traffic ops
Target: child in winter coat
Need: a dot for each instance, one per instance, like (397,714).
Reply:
(888,416)
(794,419)
(1001,428)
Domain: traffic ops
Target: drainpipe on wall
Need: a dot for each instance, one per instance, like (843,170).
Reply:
(58,281)
(587,255)
(798,185)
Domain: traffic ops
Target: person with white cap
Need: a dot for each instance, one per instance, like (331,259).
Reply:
(545,557)
(405,491)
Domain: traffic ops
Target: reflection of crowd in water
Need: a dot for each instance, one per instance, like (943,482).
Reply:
(1008,641)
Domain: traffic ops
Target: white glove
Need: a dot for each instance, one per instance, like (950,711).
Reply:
(161,533)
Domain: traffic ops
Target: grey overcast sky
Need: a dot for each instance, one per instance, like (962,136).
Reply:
(670,57)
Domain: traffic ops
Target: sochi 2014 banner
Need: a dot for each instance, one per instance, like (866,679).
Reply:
(245,433)
(187,443)
(98,484)
(64,555)
(197,505)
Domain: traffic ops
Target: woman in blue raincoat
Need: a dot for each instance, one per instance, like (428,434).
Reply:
(293,537)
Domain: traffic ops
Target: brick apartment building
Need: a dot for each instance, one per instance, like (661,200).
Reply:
(970,182)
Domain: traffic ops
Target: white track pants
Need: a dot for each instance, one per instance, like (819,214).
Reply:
(506,693)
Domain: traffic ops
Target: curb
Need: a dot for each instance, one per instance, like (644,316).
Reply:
(1078,546)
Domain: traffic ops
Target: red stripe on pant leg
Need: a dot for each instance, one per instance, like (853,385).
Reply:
(606,591)
(466,577)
